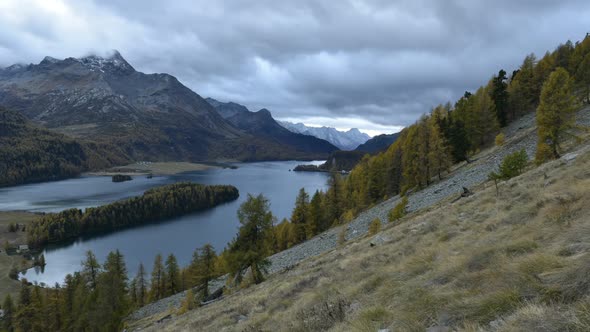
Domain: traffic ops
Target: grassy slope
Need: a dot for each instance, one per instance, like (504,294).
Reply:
(517,261)
(7,285)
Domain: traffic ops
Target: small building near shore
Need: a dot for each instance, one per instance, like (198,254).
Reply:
(22,248)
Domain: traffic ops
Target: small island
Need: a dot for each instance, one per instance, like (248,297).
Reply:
(121,178)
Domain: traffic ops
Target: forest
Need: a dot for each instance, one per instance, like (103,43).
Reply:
(33,154)
(154,205)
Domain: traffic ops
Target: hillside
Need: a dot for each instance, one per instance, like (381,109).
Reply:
(345,140)
(32,154)
(261,124)
(150,116)
(524,251)
(378,143)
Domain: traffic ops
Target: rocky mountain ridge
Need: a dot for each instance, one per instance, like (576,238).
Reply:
(345,140)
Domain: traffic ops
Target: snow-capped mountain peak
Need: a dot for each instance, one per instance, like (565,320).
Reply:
(345,140)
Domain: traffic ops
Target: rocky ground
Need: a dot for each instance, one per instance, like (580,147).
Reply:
(520,134)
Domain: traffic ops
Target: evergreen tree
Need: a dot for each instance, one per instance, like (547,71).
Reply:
(112,303)
(8,307)
(583,77)
(555,115)
(172,276)
(250,249)
(90,269)
(141,286)
(500,97)
(25,314)
(317,214)
(523,90)
(158,281)
(301,215)
(202,267)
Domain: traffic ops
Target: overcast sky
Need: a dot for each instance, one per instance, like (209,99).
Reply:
(376,65)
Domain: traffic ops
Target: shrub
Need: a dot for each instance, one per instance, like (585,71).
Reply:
(342,235)
(375,226)
(511,166)
(500,139)
(189,302)
(399,210)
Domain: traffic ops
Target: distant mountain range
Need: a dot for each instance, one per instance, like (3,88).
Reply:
(378,143)
(262,124)
(345,140)
(148,116)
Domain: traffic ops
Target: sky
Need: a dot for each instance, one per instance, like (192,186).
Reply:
(376,65)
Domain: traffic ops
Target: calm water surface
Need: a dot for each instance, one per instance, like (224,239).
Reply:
(179,235)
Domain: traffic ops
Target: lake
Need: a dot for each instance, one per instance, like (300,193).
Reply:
(179,236)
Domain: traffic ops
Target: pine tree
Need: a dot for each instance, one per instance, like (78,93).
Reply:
(301,215)
(583,77)
(250,249)
(24,314)
(141,286)
(172,276)
(500,97)
(90,269)
(202,268)
(555,114)
(8,307)
(317,213)
(158,280)
(112,302)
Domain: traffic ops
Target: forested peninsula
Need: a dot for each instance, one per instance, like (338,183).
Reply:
(154,205)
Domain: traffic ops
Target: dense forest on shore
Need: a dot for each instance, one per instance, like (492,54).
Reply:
(154,205)
(33,154)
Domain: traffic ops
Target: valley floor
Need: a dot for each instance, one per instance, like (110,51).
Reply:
(516,261)
(155,168)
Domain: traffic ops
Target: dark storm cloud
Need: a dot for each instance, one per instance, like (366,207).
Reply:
(379,64)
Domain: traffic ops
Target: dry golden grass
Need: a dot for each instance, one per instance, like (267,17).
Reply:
(517,261)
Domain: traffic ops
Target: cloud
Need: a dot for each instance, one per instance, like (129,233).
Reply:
(376,64)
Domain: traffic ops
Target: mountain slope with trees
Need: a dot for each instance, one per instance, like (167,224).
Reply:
(30,153)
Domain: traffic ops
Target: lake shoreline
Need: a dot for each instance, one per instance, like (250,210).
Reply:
(155,168)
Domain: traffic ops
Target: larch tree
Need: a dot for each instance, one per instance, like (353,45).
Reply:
(202,268)
(250,249)
(90,269)
(301,215)
(158,280)
(555,114)
(141,286)
(583,78)
(172,276)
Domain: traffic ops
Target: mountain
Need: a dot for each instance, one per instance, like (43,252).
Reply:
(150,116)
(31,154)
(262,124)
(345,140)
(378,143)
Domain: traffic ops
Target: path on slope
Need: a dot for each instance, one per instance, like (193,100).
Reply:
(521,134)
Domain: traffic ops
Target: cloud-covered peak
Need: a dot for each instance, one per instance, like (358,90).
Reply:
(372,64)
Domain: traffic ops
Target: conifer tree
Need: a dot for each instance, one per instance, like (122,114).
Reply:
(250,249)
(172,275)
(583,78)
(158,281)
(8,307)
(555,114)
(301,215)
(202,268)
(141,286)
(500,97)
(90,269)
